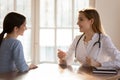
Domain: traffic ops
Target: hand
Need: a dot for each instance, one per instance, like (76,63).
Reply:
(63,63)
(61,54)
(32,66)
(92,62)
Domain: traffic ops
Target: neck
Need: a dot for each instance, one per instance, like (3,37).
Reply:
(11,35)
(88,36)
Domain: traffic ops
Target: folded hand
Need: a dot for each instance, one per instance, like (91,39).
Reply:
(92,62)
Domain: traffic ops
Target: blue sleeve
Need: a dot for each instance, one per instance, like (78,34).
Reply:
(18,56)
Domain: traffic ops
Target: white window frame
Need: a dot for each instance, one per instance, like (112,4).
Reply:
(35,29)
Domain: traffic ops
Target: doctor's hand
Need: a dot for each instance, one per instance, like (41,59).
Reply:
(92,62)
(61,54)
(62,61)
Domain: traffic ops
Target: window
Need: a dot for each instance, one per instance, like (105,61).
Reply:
(58,27)
(52,25)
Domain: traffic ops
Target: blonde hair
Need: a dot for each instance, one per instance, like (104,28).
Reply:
(93,14)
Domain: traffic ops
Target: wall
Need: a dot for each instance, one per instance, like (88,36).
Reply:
(110,15)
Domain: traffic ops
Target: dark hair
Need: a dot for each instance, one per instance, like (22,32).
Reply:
(93,14)
(11,20)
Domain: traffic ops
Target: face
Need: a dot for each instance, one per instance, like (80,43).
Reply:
(84,23)
(22,28)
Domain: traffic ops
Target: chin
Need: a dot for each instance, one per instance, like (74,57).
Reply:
(80,30)
(21,34)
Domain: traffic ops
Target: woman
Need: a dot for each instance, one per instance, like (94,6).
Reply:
(11,49)
(93,48)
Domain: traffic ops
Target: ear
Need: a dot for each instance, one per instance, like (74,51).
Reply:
(92,21)
(15,28)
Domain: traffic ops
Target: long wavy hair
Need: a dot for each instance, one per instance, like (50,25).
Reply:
(93,14)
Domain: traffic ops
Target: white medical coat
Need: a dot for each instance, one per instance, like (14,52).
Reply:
(108,55)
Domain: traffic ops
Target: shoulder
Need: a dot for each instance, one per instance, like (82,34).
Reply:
(107,41)
(105,37)
(77,39)
(13,42)
(78,36)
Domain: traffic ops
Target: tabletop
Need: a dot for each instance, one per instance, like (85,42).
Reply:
(49,71)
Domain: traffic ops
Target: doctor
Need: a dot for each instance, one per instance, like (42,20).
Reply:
(93,48)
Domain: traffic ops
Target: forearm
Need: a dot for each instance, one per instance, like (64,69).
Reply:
(114,64)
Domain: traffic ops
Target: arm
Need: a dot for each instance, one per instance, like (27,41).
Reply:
(68,57)
(111,51)
(71,51)
(18,56)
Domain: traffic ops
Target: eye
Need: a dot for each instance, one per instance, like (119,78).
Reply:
(80,19)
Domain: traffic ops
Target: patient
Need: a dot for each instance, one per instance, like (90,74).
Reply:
(11,49)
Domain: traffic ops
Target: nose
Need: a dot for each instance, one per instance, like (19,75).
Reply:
(77,23)
(25,28)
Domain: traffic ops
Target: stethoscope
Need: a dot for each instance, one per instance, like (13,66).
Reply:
(93,44)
